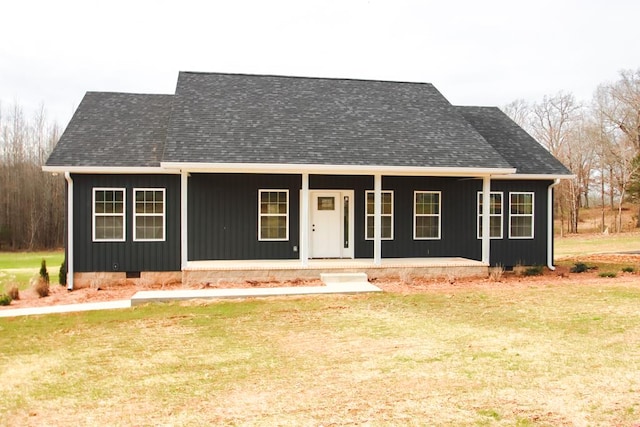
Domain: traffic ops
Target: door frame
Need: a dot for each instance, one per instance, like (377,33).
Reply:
(345,252)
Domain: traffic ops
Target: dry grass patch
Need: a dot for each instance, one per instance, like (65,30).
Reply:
(535,354)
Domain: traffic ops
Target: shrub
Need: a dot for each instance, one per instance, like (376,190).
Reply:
(495,273)
(607,274)
(44,274)
(41,286)
(5,299)
(579,267)
(62,275)
(536,270)
(628,269)
(13,291)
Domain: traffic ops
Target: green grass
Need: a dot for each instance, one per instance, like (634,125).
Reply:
(595,243)
(20,267)
(30,259)
(527,355)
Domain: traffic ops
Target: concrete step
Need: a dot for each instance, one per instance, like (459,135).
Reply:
(334,278)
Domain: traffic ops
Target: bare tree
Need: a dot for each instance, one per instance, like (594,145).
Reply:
(31,201)
(618,104)
(555,122)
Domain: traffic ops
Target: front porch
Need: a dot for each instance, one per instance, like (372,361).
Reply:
(240,270)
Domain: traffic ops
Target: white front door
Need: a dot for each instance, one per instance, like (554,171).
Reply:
(331,217)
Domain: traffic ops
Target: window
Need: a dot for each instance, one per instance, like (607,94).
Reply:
(521,215)
(148,222)
(386,217)
(108,214)
(273,214)
(495,215)
(426,221)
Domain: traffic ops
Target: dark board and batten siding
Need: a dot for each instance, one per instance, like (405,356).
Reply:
(458,236)
(223,220)
(223,217)
(127,256)
(511,252)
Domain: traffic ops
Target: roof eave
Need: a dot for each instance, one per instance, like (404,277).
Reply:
(535,176)
(109,169)
(333,169)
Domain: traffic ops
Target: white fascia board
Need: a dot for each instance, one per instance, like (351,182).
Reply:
(333,169)
(532,176)
(109,170)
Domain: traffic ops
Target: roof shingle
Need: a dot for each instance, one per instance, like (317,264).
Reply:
(115,130)
(519,148)
(248,119)
(221,118)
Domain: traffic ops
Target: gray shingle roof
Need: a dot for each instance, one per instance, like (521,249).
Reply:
(231,118)
(115,130)
(519,148)
(223,118)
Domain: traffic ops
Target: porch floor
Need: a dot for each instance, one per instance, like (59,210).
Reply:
(211,271)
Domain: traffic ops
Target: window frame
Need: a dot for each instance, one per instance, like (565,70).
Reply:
(260,215)
(500,215)
(416,215)
(163,215)
(531,215)
(368,215)
(95,215)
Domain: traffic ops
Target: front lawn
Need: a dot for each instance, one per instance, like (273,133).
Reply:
(532,354)
(20,267)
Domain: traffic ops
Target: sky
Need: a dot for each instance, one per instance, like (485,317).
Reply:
(475,52)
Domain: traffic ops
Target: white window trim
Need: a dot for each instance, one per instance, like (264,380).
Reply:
(532,215)
(94,214)
(136,215)
(260,215)
(367,214)
(501,215)
(416,215)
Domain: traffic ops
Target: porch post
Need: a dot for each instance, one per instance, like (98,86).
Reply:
(377,219)
(304,221)
(184,257)
(486,219)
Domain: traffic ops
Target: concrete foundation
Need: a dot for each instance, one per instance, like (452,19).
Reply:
(109,279)
(229,272)
(213,272)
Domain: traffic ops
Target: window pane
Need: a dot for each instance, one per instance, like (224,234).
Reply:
(326,203)
(149,218)
(370,203)
(521,204)
(386,204)
(370,229)
(496,204)
(521,226)
(273,227)
(427,227)
(108,209)
(386,227)
(149,227)
(109,227)
(495,225)
(427,204)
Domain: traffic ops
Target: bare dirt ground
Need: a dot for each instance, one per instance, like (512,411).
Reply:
(60,295)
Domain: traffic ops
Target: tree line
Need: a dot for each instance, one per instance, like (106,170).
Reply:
(598,141)
(32,208)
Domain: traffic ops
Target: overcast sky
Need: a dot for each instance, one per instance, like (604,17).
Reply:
(475,52)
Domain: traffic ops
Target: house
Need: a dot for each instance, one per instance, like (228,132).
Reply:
(255,168)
